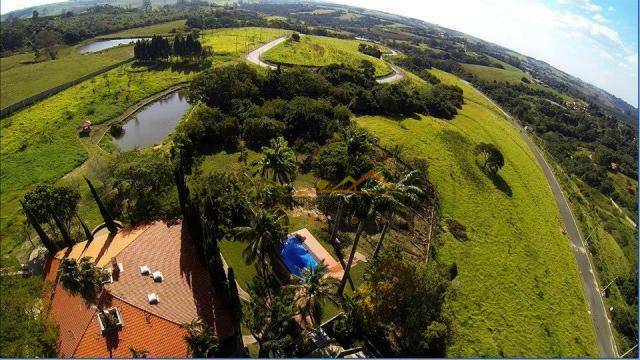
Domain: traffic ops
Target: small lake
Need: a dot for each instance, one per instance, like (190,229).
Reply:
(152,124)
(105,44)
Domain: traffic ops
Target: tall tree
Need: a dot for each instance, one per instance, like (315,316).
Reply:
(87,233)
(49,41)
(278,160)
(108,220)
(313,291)
(264,235)
(66,237)
(235,304)
(46,241)
(270,319)
(201,339)
(491,157)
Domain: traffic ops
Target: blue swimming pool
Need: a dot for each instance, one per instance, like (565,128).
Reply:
(296,257)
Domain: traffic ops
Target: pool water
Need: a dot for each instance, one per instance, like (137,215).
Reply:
(296,256)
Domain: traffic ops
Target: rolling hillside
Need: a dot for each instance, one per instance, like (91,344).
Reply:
(519,289)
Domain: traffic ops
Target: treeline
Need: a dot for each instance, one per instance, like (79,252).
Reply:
(19,34)
(161,48)
(370,50)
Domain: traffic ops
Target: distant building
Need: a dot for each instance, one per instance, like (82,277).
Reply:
(157,283)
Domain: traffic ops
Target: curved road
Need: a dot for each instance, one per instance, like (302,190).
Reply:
(597,309)
(255,57)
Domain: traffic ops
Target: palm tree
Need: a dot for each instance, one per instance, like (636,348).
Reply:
(407,194)
(265,234)
(313,291)
(138,353)
(82,277)
(342,199)
(278,160)
(201,339)
(379,197)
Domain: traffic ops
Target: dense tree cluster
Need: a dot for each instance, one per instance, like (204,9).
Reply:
(158,48)
(370,50)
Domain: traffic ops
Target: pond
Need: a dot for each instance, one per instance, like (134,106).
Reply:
(105,44)
(152,124)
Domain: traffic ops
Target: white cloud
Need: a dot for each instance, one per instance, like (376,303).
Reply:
(599,18)
(611,8)
(584,4)
(570,41)
(605,55)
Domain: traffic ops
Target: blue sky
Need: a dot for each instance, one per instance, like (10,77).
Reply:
(595,40)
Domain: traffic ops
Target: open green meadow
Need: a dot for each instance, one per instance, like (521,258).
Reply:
(40,144)
(322,51)
(20,77)
(229,43)
(509,74)
(513,228)
(157,29)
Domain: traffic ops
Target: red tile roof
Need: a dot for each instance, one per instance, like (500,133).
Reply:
(185,293)
(141,330)
(72,314)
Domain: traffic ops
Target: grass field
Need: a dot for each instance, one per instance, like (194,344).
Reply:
(157,29)
(513,228)
(509,74)
(20,77)
(40,144)
(231,43)
(323,51)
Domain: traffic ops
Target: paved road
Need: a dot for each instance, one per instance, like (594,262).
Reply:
(597,310)
(255,57)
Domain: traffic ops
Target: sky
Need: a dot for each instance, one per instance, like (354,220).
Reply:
(595,40)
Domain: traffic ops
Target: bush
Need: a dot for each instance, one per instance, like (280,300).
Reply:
(116,130)
(295,37)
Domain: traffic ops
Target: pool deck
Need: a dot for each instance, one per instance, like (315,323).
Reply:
(321,254)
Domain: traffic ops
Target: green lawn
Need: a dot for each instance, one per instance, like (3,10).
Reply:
(20,77)
(488,73)
(40,143)
(519,291)
(156,29)
(231,43)
(232,254)
(322,51)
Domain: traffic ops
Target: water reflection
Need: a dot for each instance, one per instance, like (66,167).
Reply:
(105,44)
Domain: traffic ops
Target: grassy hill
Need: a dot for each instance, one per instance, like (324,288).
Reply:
(488,73)
(323,51)
(20,77)
(513,230)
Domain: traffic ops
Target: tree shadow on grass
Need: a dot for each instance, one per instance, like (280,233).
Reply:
(501,184)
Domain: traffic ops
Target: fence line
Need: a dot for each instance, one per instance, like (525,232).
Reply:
(54,90)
